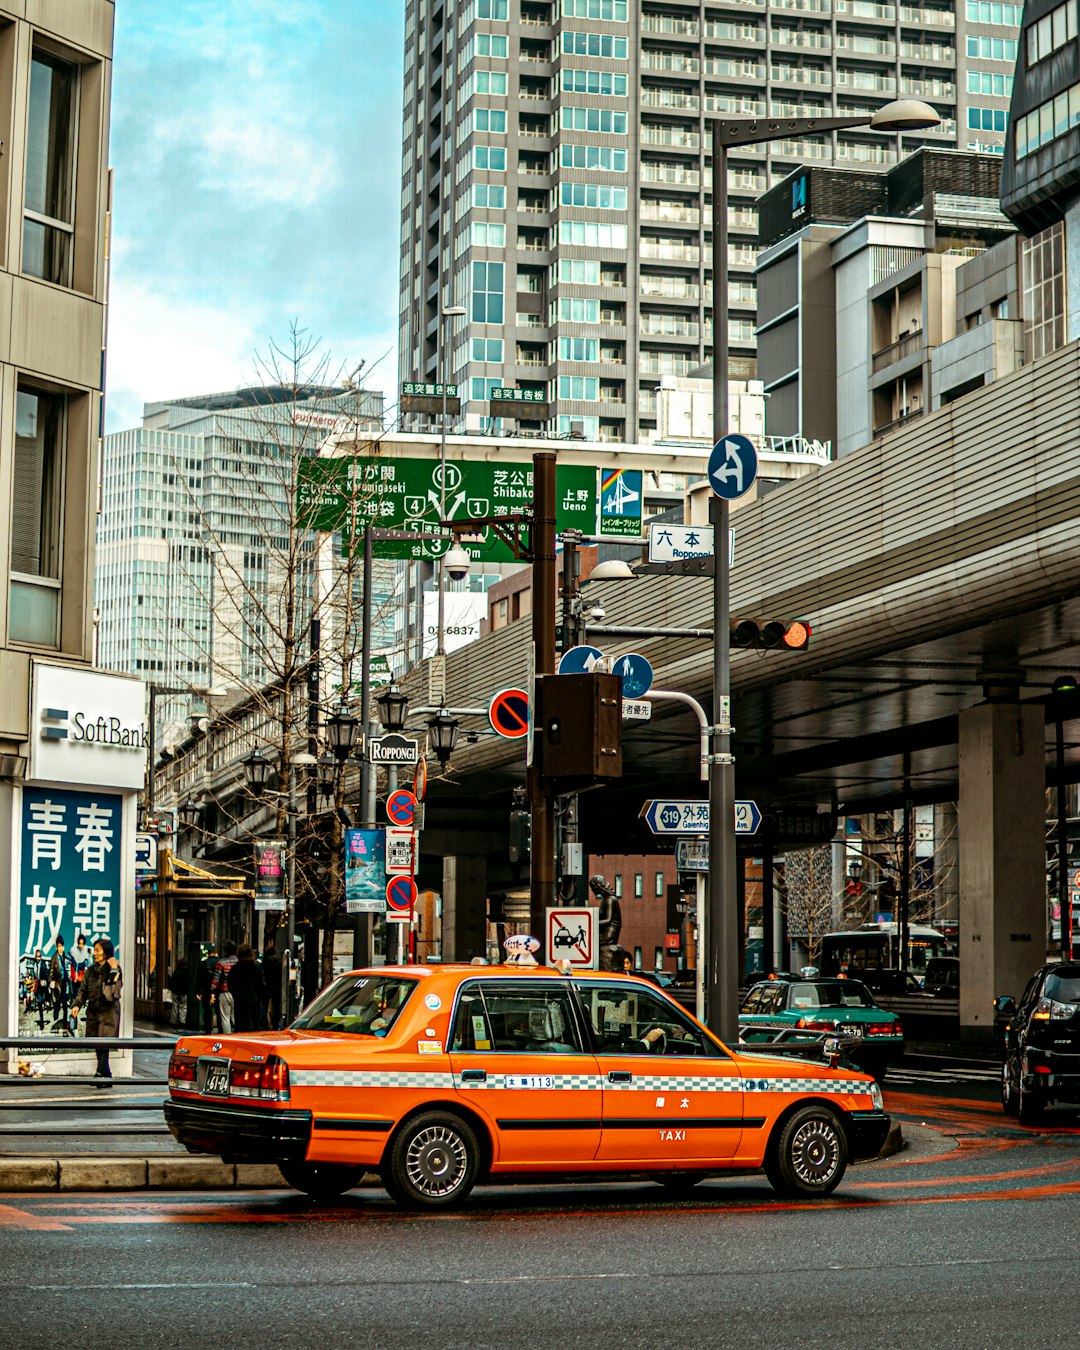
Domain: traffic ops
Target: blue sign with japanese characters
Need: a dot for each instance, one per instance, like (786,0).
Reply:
(365,871)
(70,875)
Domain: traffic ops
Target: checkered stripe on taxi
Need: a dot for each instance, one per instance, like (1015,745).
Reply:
(370,1078)
(666,1083)
(574,1082)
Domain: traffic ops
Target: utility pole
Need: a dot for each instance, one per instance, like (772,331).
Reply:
(542,547)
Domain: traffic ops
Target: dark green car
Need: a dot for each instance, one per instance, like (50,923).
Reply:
(780,1008)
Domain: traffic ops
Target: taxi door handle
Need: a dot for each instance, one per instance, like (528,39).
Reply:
(620,1076)
(474,1075)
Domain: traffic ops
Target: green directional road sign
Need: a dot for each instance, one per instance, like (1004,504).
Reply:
(404,494)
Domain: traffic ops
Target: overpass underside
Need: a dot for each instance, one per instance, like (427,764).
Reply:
(934,566)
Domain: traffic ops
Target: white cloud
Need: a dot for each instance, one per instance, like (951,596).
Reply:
(266,163)
(163,347)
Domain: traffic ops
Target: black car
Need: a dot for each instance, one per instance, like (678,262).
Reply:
(1042,1043)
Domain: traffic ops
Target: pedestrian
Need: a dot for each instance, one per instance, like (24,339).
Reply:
(206,978)
(41,987)
(219,987)
(271,972)
(61,984)
(178,987)
(100,994)
(248,992)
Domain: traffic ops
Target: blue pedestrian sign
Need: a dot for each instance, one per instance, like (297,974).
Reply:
(732,467)
(579,660)
(685,817)
(635,673)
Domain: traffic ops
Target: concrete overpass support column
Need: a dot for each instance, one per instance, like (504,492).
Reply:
(1002,856)
(464,916)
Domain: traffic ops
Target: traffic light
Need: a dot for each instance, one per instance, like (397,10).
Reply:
(791,635)
(520,836)
(578,721)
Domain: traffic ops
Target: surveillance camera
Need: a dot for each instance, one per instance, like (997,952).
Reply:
(598,613)
(457,563)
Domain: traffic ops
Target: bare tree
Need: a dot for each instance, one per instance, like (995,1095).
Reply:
(806,896)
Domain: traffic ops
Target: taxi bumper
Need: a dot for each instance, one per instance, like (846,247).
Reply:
(867,1132)
(238,1133)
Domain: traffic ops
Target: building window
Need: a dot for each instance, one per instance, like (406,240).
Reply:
(590,234)
(492,44)
(581,272)
(1052,31)
(36,517)
(589,427)
(487,350)
(1046,123)
(490,119)
(639,885)
(659,884)
(592,119)
(592,157)
(658,958)
(491,82)
(579,349)
(987,119)
(600,195)
(614,10)
(490,157)
(983,82)
(492,9)
(49,205)
(637,958)
(1043,263)
(989,11)
(480,391)
(993,49)
(491,195)
(594,82)
(488,234)
(579,388)
(618,887)
(487,292)
(594,44)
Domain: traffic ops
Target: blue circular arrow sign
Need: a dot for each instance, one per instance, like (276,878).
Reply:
(579,660)
(732,467)
(635,673)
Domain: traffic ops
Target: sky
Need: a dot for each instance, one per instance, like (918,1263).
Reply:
(256,150)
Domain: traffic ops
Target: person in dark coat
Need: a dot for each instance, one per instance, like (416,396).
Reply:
(206,979)
(61,983)
(248,991)
(99,993)
(271,973)
(178,987)
(41,987)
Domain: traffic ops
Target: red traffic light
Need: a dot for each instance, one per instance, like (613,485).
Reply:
(770,634)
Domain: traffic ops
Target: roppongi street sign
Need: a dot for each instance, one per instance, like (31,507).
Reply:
(405,494)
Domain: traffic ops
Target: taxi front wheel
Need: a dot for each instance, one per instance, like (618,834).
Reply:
(808,1157)
(433,1162)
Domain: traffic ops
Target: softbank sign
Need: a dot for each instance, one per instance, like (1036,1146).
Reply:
(87,727)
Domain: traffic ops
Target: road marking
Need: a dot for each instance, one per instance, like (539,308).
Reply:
(10,1217)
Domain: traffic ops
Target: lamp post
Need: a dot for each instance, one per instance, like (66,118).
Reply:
(443,730)
(450,312)
(722,926)
(1063,685)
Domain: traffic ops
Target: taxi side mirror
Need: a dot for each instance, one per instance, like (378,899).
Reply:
(831,1046)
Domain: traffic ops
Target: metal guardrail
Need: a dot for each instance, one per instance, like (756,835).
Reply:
(92,1105)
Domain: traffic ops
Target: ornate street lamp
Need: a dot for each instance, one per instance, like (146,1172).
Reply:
(341,729)
(257,771)
(443,730)
(393,708)
(190,810)
(329,768)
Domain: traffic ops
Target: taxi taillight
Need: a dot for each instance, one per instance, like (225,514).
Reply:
(267,1082)
(815,1024)
(181,1072)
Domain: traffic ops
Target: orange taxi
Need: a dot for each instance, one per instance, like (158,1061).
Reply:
(441,1077)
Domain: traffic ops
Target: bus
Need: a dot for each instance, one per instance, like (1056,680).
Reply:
(875,947)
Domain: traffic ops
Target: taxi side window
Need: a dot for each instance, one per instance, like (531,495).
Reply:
(772,998)
(752,1002)
(504,1018)
(629,1020)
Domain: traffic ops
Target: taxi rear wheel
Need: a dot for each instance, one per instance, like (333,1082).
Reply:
(322,1181)
(808,1157)
(433,1162)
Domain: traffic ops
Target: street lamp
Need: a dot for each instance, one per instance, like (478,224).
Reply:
(257,771)
(341,729)
(722,927)
(443,730)
(1060,691)
(190,811)
(393,708)
(450,312)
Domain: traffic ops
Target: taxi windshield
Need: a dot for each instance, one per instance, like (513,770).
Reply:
(365,1005)
(830,994)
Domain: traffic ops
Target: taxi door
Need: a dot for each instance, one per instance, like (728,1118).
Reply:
(518,1057)
(670,1094)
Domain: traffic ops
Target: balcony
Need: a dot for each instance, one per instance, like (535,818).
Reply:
(669,173)
(734,32)
(866,46)
(662,23)
(802,149)
(671,288)
(908,415)
(663,325)
(734,70)
(898,351)
(941,89)
(805,75)
(669,211)
(809,6)
(688,253)
(669,98)
(738,105)
(800,37)
(937,52)
(866,9)
(673,61)
(864,154)
(928,18)
(687,140)
(865,79)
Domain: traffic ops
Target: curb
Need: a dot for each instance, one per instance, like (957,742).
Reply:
(134,1174)
(894,1141)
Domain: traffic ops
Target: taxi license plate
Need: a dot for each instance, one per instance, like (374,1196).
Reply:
(216,1083)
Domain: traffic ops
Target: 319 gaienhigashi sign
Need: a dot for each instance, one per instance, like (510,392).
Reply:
(71,847)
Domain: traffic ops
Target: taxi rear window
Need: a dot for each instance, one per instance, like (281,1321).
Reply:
(364,1005)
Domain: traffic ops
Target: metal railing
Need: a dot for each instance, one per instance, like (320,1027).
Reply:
(93,1105)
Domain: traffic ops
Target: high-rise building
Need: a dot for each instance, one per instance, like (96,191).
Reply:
(194,536)
(556,173)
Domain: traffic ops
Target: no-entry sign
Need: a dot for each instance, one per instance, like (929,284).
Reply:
(508,713)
